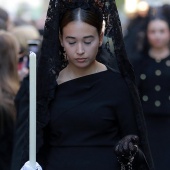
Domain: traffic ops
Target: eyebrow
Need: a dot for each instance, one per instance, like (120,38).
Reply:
(89,36)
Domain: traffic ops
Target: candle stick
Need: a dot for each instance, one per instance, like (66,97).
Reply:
(32,110)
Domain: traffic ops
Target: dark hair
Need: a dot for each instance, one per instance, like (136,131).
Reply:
(3,25)
(79,14)
(4,15)
(166,11)
(158,14)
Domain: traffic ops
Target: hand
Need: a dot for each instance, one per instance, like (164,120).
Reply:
(27,166)
(23,72)
(127,147)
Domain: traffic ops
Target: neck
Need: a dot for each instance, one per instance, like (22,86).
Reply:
(159,53)
(76,72)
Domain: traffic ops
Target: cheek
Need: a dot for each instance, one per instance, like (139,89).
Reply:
(151,37)
(92,50)
(166,36)
(68,49)
(95,46)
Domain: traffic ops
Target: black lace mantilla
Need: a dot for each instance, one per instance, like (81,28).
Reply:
(113,31)
(51,61)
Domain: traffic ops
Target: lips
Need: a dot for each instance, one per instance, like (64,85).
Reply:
(81,60)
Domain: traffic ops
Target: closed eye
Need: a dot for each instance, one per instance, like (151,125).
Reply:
(71,43)
(87,42)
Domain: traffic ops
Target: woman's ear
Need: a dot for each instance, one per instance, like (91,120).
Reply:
(101,39)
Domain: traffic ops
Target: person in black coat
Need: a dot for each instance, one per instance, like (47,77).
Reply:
(153,76)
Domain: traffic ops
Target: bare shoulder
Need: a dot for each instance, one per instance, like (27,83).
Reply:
(61,77)
(101,67)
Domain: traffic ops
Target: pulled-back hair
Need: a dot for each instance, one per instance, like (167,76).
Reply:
(79,14)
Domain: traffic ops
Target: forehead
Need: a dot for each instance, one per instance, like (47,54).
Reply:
(79,29)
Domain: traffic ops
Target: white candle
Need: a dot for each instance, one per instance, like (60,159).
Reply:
(32,113)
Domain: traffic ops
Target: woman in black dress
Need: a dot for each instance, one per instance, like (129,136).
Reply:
(153,72)
(84,107)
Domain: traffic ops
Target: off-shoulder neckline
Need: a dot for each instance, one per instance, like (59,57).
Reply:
(82,77)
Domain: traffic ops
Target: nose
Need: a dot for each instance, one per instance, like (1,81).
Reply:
(80,49)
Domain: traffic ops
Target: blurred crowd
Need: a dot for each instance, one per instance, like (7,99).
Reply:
(17,39)
(147,41)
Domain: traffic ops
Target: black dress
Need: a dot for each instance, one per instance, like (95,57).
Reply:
(88,116)
(154,86)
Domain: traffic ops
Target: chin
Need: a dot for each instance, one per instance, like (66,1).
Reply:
(85,64)
(82,65)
